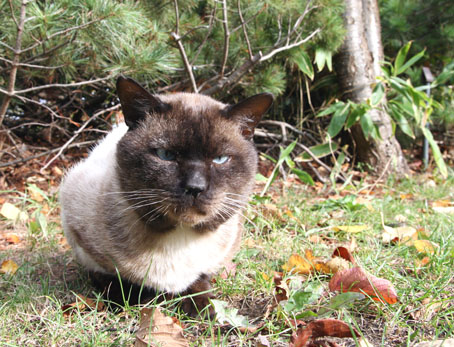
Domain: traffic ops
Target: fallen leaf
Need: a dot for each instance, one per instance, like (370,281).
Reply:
(351,228)
(9,211)
(95,305)
(422,262)
(298,264)
(425,246)
(400,234)
(436,343)
(357,280)
(12,238)
(157,329)
(337,264)
(443,206)
(442,203)
(8,267)
(344,253)
(321,328)
(228,315)
(35,195)
(406,196)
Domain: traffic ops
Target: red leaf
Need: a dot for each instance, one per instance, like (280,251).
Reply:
(358,280)
(344,253)
(321,328)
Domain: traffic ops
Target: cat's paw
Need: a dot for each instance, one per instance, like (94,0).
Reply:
(199,306)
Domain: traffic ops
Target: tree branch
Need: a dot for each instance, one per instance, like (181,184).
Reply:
(243,25)
(77,133)
(176,36)
(31,65)
(15,62)
(225,24)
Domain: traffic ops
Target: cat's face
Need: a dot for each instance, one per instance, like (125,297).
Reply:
(187,158)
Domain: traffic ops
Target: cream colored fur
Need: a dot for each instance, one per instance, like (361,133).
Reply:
(106,236)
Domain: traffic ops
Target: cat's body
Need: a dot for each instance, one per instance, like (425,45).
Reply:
(160,202)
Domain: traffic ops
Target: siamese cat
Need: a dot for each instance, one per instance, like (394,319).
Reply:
(159,200)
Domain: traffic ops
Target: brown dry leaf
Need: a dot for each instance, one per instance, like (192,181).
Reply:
(69,309)
(425,246)
(400,234)
(351,228)
(322,328)
(35,195)
(81,304)
(8,267)
(92,304)
(358,280)
(57,171)
(12,238)
(157,329)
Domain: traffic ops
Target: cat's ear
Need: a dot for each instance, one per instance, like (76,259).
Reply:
(136,101)
(250,111)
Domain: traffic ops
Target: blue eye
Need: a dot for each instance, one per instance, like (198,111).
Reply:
(164,154)
(221,159)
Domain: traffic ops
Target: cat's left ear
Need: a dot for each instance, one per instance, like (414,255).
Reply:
(250,111)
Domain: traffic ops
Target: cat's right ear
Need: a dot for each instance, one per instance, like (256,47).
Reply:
(136,101)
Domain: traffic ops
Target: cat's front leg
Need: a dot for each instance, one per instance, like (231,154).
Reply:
(199,304)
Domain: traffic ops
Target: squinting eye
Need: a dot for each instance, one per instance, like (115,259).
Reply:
(164,154)
(221,159)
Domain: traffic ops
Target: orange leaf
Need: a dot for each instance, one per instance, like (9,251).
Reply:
(12,238)
(8,267)
(425,246)
(358,280)
(298,264)
(321,328)
(157,329)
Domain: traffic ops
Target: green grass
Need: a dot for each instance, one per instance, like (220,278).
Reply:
(31,300)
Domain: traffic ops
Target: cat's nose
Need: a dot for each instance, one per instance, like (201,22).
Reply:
(195,184)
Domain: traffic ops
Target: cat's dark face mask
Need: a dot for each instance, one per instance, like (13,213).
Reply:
(187,158)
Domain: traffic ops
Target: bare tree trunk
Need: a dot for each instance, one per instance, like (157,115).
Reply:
(357,66)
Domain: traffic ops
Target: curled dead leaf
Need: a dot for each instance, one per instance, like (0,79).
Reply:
(157,329)
(322,328)
(344,253)
(358,280)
